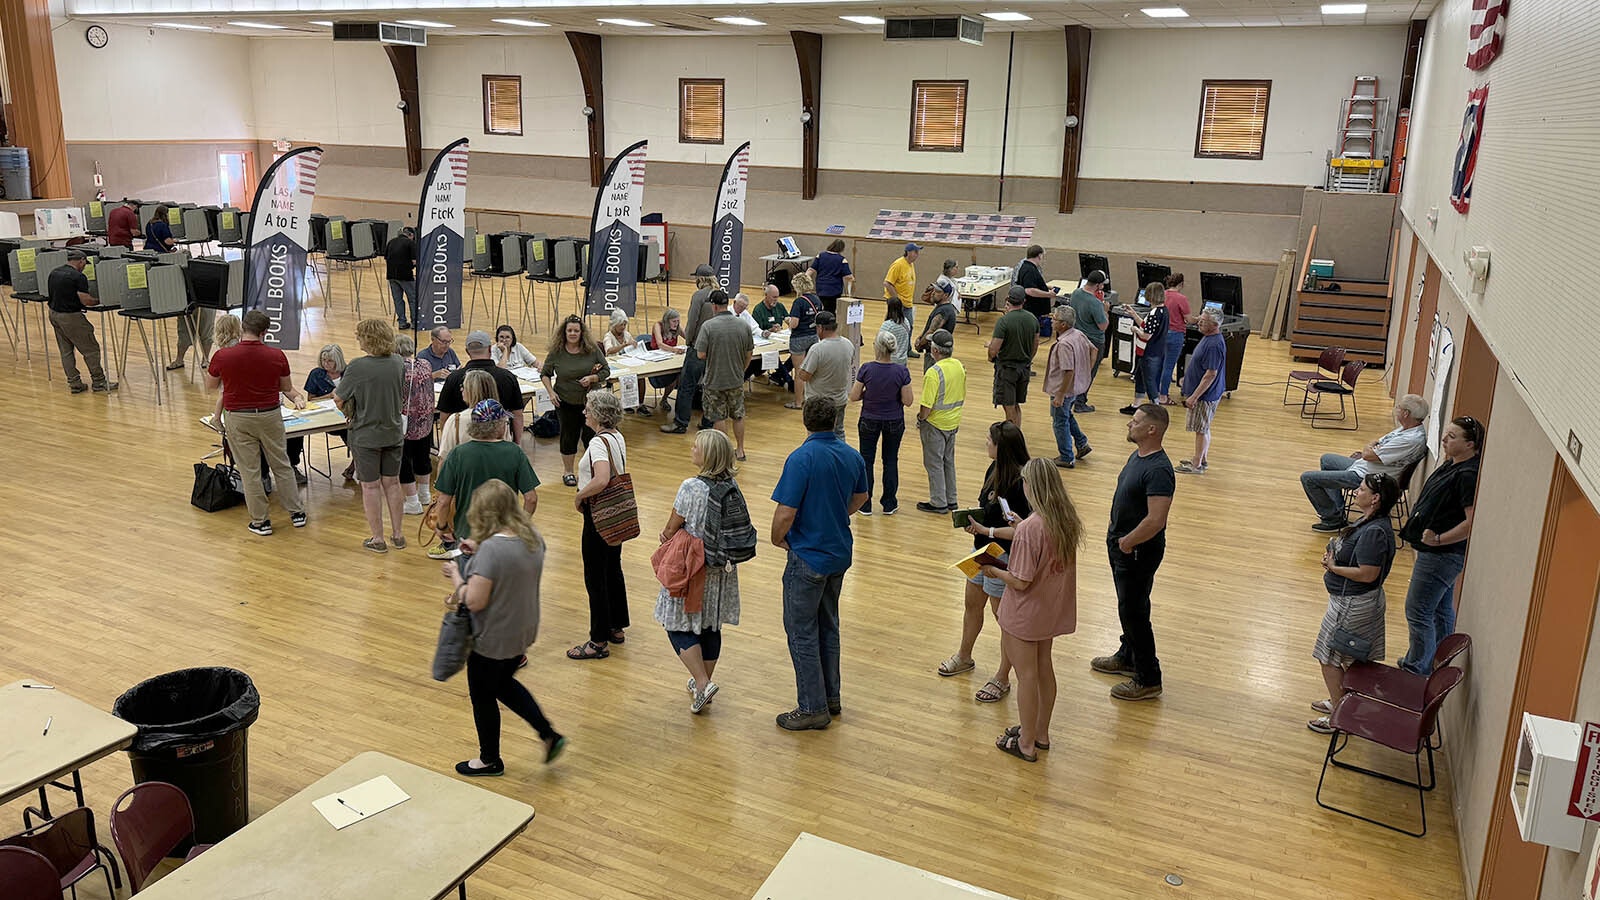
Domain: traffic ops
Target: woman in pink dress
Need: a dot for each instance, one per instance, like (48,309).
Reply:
(1040,602)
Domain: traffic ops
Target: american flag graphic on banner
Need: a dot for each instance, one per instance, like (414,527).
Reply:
(306,172)
(280,230)
(1484,34)
(614,235)
(1467,153)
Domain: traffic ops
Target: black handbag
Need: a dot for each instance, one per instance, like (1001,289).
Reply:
(1342,639)
(217,487)
(455,642)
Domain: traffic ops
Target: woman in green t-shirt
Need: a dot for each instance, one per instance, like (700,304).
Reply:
(572,367)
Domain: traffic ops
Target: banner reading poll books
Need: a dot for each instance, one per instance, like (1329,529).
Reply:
(442,224)
(614,235)
(280,229)
(727,220)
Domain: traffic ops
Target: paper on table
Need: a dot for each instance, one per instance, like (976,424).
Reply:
(524,373)
(855,313)
(362,801)
(769,361)
(630,393)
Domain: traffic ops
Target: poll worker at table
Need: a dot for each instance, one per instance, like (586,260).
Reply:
(833,276)
(400,266)
(1093,315)
(725,345)
(771,314)
(667,335)
(68,295)
(121,226)
(498,582)
(438,354)
(371,395)
(740,308)
(614,341)
(1016,340)
(509,352)
(573,366)
(1038,295)
(479,360)
(252,377)
(320,384)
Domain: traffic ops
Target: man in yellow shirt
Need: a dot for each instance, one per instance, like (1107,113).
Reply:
(944,392)
(901,281)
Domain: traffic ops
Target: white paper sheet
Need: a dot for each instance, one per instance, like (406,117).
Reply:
(541,401)
(363,801)
(630,393)
(769,361)
(855,314)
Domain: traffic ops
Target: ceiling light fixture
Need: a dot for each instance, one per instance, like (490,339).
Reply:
(522,22)
(424,23)
(1165,12)
(323,22)
(1343,9)
(626,23)
(1008,17)
(263,25)
(182,26)
(863,20)
(738,20)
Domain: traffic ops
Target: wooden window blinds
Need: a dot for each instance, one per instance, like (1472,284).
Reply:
(502,104)
(700,110)
(938,115)
(1233,119)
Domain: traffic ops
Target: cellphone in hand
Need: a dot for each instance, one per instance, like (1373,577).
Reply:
(1005,509)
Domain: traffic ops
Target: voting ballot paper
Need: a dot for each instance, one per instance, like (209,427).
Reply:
(363,801)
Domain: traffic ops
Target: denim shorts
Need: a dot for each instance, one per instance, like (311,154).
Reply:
(992,587)
(800,343)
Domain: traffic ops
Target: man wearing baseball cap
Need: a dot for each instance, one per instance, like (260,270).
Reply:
(902,278)
(944,392)
(486,455)
(451,400)
(69,293)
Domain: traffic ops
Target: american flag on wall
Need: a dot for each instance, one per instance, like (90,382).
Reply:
(1467,152)
(953,228)
(1484,34)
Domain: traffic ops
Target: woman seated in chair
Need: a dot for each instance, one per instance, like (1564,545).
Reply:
(667,335)
(616,340)
(1355,565)
(320,384)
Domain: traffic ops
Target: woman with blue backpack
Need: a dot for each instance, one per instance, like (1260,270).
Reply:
(710,512)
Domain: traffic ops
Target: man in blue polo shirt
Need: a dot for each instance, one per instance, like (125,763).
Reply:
(824,482)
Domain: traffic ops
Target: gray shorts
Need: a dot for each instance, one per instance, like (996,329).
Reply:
(375,462)
(1199,418)
(802,343)
(992,587)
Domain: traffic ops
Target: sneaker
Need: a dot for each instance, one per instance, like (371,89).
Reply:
(466,768)
(1328,527)
(1084,450)
(413,506)
(375,545)
(297,519)
(1112,665)
(263,527)
(1064,463)
(706,424)
(891,510)
(402,326)
(1133,690)
(105,387)
(443,552)
(1321,725)
(865,510)
(78,388)
(691,684)
(1083,408)
(800,720)
(645,411)
(701,701)
(951,508)
(1323,706)
(674,428)
(1128,410)
(929,507)
(835,708)
(1188,468)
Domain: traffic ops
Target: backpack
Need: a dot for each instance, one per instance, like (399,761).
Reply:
(730,538)
(546,426)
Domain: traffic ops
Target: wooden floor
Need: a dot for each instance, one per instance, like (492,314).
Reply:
(113,577)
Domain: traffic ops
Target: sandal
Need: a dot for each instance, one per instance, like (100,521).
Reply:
(175,365)
(617,637)
(954,666)
(1012,744)
(791,405)
(739,456)
(1016,731)
(588,650)
(375,545)
(569,480)
(992,692)
(398,541)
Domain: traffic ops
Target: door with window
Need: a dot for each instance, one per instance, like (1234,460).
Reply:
(236,178)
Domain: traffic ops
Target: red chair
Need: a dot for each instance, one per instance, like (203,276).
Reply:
(1399,729)
(1344,387)
(27,875)
(68,843)
(148,822)
(1397,687)
(1328,363)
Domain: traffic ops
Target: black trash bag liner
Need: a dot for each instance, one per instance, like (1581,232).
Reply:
(187,706)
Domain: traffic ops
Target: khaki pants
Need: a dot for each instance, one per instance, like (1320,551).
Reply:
(251,434)
(75,335)
(206,320)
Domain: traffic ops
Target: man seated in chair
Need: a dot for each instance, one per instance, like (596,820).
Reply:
(1388,455)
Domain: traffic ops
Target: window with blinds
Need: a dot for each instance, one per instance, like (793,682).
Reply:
(502,104)
(1233,119)
(938,115)
(700,110)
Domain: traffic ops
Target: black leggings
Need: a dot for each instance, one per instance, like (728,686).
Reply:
(416,458)
(491,682)
(574,430)
(602,576)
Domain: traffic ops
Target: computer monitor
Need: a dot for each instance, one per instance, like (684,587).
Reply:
(1091,262)
(787,248)
(1225,289)
(1214,306)
(1149,271)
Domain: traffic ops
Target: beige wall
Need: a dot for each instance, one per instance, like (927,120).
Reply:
(182,171)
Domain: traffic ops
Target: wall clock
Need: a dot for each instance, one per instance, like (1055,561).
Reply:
(97,37)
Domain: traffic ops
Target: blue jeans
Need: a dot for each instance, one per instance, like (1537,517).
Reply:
(1150,384)
(811,620)
(892,431)
(1430,607)
(1169,362)
(1069,437)
(1325,488)
(401,292)
(688,388)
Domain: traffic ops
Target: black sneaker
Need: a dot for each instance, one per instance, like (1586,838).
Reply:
(1128,410)
(800,720)
(1083,408)
(104,387)
(297,519)
(929,507)
(263,527)
(402,326)
(951,508)
(674,428)
(78,388)
(835,708)
(865,510)
(1328,527)
(465,768)
(890,510)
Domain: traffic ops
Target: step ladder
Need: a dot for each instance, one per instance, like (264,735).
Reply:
(1357,163)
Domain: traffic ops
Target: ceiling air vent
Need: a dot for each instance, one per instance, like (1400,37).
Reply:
(934,28)
(384,32)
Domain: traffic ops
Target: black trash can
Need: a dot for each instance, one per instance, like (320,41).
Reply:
(193,726)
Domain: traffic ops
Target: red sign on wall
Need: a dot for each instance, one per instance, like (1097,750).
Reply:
(1585,802)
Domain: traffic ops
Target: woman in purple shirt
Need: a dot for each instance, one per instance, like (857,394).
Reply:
(833,275)
(884,389)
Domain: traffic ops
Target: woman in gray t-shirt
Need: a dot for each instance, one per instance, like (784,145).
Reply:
(498,581)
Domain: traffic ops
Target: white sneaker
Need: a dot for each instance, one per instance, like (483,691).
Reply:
(413,506)
(425,498)
(700,700)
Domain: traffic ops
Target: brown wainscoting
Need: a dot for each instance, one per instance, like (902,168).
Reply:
(1427,306)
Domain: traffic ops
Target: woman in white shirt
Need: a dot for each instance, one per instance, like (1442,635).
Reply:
(509,354)
(607,455)
(616,340)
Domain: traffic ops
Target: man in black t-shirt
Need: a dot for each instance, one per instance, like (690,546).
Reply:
(400,259)
(451,400)
(69,293)
(1030,276)
(1136,542)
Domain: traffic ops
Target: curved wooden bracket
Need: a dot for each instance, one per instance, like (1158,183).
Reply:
(1078,37)
(587,52)
(403,59)
(808,54)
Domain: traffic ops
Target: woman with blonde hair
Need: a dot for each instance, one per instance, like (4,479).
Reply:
(477,385)
(574,365)
(1040,602)
(616,340)
(668,335)
(497,580)
(696,634)
(372,396)
(802,325)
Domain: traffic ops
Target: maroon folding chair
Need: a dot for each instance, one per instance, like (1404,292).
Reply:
(1397,687)
(68,843)
(1344,387)
(1328,363)
(148,823)
(27,875)
(1405,730)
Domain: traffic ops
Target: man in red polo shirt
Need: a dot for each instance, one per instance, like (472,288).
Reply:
(252,375)
(121,226)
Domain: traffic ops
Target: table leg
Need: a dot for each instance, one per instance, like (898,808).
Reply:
(462,887)
(44,341)
(11,334)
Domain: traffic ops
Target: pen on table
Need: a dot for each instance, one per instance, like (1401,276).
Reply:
(47,724)
(41,687)
(349,807)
